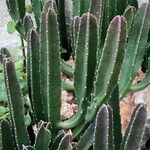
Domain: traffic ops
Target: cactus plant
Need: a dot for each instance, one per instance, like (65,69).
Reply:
(16,9)
(16,129)
(48,78)
(115,57)
(66,10)
(135,129)
(133,61)
(7,139)
(107,49)
(129,15)
(101,128)
(129,141)
(33,76)
(104,130)
(27,23)
(43,137)
(91,60)
(15,104)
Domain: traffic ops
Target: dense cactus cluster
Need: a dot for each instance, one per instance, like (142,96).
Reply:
(108,40)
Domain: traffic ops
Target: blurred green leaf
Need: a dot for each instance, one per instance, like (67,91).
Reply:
(27,120)
(29,8)
(3,110)
(11,27)
(17,48)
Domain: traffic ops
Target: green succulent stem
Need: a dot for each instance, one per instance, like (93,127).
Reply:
(23,54)
(15,104)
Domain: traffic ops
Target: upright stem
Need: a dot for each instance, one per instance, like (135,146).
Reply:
(24,55)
